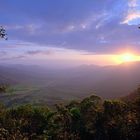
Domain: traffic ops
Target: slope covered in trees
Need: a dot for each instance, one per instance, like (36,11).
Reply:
(89,119)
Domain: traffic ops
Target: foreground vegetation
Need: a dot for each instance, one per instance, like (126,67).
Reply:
(89,119)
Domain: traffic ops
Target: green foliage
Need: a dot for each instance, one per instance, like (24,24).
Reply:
(3,88)
(89,119)
(75,112)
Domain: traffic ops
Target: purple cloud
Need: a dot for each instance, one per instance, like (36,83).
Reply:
(93,25)
(36,52)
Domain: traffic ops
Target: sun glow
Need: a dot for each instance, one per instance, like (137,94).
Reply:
(127,57)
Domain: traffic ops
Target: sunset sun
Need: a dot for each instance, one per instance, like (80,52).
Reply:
(128,57)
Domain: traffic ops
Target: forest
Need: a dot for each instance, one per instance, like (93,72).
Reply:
(89,119)
(68,70)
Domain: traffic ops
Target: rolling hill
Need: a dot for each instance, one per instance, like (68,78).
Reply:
(34,84)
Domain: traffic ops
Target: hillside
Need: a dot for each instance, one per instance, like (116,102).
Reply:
(36,84)
(133,96)
(89,119)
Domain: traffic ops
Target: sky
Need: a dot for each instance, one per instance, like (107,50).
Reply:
(69,32)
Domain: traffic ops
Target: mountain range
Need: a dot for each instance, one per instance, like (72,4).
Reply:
(35,84)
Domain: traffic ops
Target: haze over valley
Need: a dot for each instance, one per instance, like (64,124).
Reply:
(44,85)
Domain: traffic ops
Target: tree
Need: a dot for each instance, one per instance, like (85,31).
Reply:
(3,33)
(3,88)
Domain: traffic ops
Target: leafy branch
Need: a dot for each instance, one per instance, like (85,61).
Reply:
(3,33)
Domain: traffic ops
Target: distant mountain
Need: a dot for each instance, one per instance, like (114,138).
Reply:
(107,82)
(38,84)
(14,74)
(133,96)
(119,80)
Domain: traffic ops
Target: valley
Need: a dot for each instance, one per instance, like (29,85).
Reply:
(38,85)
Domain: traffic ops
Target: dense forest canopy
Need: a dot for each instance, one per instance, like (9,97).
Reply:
(89,119)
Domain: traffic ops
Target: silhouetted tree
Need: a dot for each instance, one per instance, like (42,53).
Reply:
(3,88)
(3,33)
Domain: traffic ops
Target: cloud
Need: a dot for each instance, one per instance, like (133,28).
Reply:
(12,58)
(133,13)
(92,25)
(18,57)
(3,53)
(40,52)
(132,16)
(132,3)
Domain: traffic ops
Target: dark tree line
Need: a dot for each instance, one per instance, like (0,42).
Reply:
(89,119)
(3,88)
